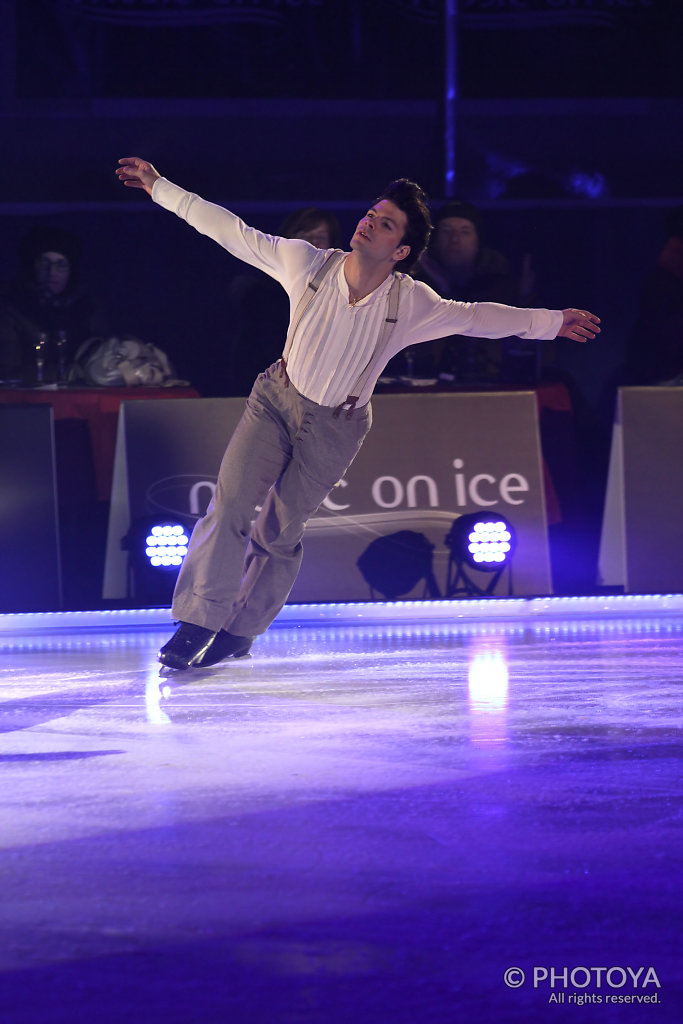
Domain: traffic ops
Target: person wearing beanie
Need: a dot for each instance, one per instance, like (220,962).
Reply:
(457,265)
(45,298)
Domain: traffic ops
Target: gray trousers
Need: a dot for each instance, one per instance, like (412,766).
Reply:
(286,455)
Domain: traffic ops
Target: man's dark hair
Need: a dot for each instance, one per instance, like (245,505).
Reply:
(412,199)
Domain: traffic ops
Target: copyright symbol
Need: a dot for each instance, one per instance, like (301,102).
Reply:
(513,977)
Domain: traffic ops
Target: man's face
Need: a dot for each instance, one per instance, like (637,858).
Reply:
(380,233)
(52,272)
(457,242)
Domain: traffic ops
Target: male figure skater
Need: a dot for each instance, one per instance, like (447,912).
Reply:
(308,413)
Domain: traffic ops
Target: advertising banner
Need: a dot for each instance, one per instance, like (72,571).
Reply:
(427,460)
(641,546)
(30,570)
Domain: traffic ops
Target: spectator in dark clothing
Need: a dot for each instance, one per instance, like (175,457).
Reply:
(45,313)
(457,265)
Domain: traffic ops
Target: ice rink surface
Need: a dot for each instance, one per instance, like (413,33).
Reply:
(371,819)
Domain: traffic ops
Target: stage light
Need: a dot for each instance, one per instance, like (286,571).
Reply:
(488,544)
(166,545)
(394,564)
(156,548)
(482,541)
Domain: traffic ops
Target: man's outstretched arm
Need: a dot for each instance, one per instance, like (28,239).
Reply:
(137,173)
(286,260)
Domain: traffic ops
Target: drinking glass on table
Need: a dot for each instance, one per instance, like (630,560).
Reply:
(41,352)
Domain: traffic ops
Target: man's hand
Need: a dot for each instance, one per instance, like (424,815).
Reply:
(137,173)
(578,324)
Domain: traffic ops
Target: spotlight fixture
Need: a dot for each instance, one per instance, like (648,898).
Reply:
(395,563)
(156,548)
(481,541)
(166,545)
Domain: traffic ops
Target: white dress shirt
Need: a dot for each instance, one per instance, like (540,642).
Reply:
(335,340)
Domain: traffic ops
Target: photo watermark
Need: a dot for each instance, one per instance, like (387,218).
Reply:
(570,985)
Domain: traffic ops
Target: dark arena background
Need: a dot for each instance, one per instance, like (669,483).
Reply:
(438,789)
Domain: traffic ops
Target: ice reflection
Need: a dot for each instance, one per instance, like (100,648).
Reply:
(487,686)
(156,690)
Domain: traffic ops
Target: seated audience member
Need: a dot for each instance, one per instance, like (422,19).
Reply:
(46,299)
(319,227)
(259,308)
(654,353)
(457,265)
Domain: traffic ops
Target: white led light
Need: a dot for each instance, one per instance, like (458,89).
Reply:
(166,545)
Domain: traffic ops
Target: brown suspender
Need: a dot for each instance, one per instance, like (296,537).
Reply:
(304,302)
(377,359)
